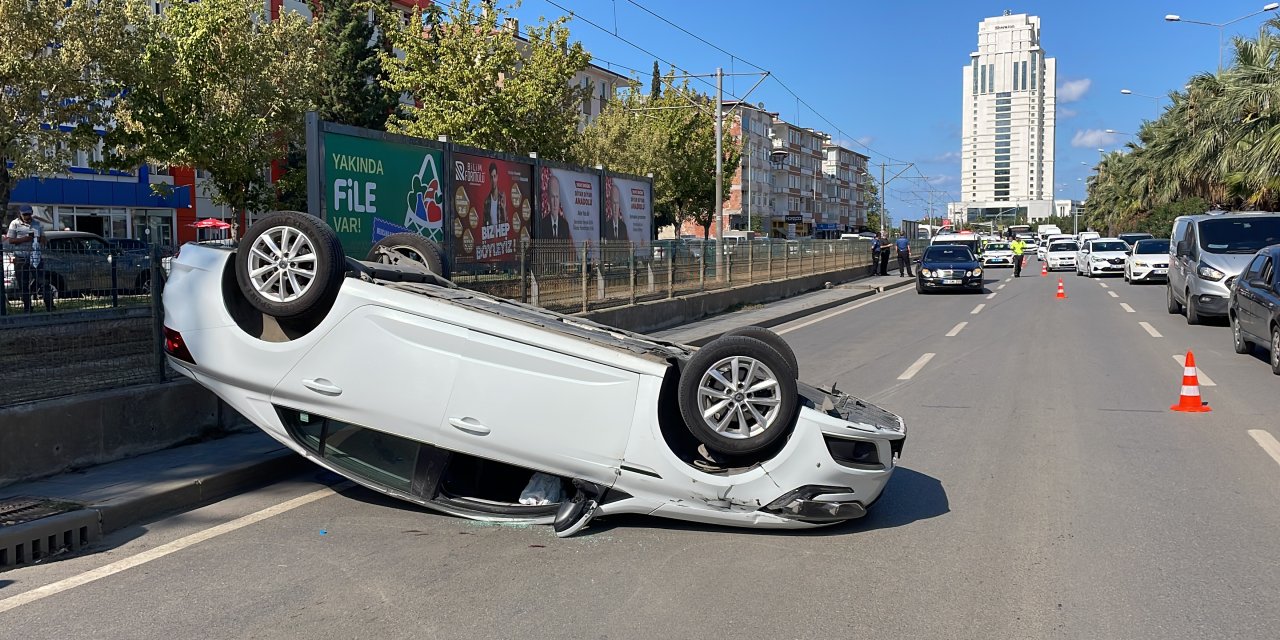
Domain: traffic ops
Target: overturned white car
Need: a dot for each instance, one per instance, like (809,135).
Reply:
(389,375)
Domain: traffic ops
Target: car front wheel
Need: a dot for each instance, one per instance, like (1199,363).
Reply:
(737,396)
(1193,316)
(1275,350)
(1237,337)
(1172,303)
(773,340)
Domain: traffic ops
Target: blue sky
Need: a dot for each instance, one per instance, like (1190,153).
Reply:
(888,74)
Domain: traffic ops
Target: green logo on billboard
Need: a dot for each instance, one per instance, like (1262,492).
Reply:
(425,211)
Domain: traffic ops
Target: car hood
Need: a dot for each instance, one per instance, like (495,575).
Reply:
(950,265)
(1150,257)
(1060,254)
(999,252)
(1109,254)
(1231,264)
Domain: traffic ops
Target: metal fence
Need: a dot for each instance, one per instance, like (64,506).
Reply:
(105,326)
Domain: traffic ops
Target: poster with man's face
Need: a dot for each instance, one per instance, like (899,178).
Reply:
(628,212)
(491,208)
(569,208)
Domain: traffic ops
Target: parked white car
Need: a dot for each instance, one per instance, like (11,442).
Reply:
(997,254)
(1061,255)
(1085,236)
(489,409)
(1101,256)
(1148,261)
(1044,246)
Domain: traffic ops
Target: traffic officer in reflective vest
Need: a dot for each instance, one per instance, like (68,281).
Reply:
(1018,246)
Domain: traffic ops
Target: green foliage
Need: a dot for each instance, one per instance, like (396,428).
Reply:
(655,82)
(671,136)
(57,65)
(468,77)
(1159,222)
(220,87)
(874,211)
(1218,142)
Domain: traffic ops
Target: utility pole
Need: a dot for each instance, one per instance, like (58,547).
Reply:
(719,152)
(884,183)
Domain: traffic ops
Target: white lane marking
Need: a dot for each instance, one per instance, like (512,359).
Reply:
(1267,442)
(39,593)
(992,295)
(1151,330)
(1103,285)
(1126,307)
(977,309)
(1113,294)
(999,287)
(837,312)
(1205,381)
(1009,279)
(955,331)
(915,368)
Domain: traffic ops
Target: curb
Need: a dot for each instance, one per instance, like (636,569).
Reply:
(795,315)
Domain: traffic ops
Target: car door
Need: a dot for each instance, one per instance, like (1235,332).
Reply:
(1082,256)
(524,398)
(1177,249)
(1246,295)
(95,259)
(380,368)
(1262,301)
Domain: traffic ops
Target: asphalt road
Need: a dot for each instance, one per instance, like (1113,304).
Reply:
(1046,491)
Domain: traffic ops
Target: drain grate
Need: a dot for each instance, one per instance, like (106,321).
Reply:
(20,509)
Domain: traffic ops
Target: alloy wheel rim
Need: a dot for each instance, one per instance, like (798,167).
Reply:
(1275,348)
(282,264)
(739,397)
(1235,331)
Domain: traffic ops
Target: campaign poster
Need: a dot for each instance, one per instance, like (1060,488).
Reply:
(628,213)
(375,188)
(569,208)
(491,208)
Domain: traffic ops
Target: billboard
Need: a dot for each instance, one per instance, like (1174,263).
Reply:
(374,188)
(491,207)
(569,207)
(628,212)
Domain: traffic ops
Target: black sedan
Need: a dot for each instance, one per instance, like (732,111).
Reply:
(948,267)
(1254,306)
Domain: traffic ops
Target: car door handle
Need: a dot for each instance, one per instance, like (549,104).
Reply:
(469,425)
(322,386)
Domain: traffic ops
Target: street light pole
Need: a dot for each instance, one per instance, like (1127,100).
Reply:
(719,150)
(1272,6)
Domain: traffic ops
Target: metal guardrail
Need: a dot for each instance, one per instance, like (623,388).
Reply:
(108,333)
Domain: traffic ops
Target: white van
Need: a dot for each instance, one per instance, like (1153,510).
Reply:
(1053,237)
(964,239)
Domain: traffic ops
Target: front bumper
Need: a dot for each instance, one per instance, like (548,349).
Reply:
(997,261)
(1148,273)
(1103,268)
(970,282)
(1061,263)
(1208,304)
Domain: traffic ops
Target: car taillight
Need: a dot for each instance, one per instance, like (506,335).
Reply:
(174,346)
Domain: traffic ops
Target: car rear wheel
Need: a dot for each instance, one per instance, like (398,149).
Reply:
(1237,337)
(1172,302)
(290,265)
(773,340)
(412,248)
(736,395)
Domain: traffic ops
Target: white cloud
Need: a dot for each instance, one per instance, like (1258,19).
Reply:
(1073,90)
(949,156)
(1092,138)
(942,180)
(865,141)
(1067,113)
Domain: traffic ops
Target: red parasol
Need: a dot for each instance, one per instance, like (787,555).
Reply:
(211,223)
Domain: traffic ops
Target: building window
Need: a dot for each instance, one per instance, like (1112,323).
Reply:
(984,78)
(1024,75)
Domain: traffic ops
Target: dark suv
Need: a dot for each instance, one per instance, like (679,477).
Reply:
(80,262)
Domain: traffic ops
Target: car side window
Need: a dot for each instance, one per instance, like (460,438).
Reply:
(1190,243)
(1267,274)
(60,245)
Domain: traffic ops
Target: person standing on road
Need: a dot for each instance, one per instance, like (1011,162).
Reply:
(904,255)
(25,234)
(1018,247)
(884,255)
(876,246)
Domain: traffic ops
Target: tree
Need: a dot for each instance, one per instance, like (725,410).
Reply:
(655,82)
(56,67)
(474,80)
(221,87)
(671,136)
(874,211)
(351,84)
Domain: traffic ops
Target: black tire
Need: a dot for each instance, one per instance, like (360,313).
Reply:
(773,340)
(1237,337)
(743,434)
(409,248)
(1193,316)
(1171,302)
(919,289)
(309,241)
(1275,350)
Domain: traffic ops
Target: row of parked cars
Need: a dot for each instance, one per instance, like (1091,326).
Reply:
(1216,265)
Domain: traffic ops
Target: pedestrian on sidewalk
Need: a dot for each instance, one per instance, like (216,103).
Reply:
(1018,247)
(24,237)
(904,255)
(877,247)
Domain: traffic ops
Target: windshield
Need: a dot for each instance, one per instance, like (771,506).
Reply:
(948,253)
(1063,246)
(1151,246)
(1238,235)
(997,246)
(1134,237)
(1108,246)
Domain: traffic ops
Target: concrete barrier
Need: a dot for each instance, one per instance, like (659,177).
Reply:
(53,436)
(664,314)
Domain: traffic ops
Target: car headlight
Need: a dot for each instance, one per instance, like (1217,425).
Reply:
(1139,263)
(926,273)
(1209,273)
(976,272)
(1097,259)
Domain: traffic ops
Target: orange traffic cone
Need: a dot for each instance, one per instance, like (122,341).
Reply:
(1062,293)
(1044,269)
(1189,400)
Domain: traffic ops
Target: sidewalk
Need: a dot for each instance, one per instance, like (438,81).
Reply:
(112,496)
